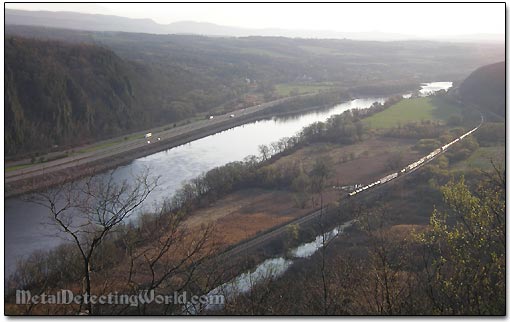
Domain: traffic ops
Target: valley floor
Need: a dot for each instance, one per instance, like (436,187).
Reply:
(246,213)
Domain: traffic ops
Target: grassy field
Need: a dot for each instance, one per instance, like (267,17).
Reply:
(99,146)
(17,167)
(481,159)
(244,213)
(287,89)
(412,110)
(357,163)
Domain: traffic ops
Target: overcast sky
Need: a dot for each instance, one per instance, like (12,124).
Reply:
(423,20)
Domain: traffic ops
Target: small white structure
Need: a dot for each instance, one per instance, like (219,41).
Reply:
(211,117)
(159,139)
(149,142)
(232,115)
(148,135)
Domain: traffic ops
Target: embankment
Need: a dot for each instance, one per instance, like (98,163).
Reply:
(75,170)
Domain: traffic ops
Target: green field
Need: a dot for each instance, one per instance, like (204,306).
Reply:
(287,89)
(412,110)
(481,159)
(99,146)
(17,167)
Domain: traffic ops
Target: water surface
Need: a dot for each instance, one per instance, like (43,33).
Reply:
(27,226)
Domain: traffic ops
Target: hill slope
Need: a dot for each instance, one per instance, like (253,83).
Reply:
(485,88)
(68,87)
(58,94)
(67,94)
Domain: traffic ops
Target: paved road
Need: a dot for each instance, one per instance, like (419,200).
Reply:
(166,136)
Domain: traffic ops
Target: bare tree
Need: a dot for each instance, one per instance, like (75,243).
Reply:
(87,211)
(264,151)
(389,288)
(166,256)
(319,174)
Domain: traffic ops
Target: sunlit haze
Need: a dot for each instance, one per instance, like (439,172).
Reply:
(418,19)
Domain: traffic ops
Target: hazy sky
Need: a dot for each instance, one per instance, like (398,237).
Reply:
(412,19)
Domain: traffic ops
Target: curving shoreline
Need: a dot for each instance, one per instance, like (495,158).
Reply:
(26,181)
(59,171)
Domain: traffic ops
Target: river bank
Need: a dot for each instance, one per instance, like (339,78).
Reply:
(56,172)
(29,229)
(26,224)
(84,168)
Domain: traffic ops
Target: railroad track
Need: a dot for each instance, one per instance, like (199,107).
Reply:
(261,239)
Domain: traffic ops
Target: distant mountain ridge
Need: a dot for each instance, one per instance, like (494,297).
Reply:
(80,21)
(69,87)
(99,22)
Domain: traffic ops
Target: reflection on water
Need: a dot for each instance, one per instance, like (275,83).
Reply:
(308,249)
(25,231)
(429,88)
(188,161)
(274,267)
(269,269)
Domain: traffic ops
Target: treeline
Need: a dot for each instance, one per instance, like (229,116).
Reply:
(141,246)
(323,99)
(445,268)
(345,128)
(453,266)
(62,94)
(416,130)
(155,254)
(62,267)
(278,59)
(76,87)
(377,107)
(386,88)
(389,265)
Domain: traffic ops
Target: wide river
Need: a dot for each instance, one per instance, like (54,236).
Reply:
(26,225)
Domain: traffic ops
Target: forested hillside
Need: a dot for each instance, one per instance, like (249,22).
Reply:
(68,87)
(485,89)
(282,59)
(59,93)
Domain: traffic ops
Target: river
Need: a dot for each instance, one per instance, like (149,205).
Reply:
(269,269)
(26,225)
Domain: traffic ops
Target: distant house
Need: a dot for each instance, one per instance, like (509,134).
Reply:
(148,135)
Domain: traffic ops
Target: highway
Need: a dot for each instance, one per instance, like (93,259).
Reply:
(110,156)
